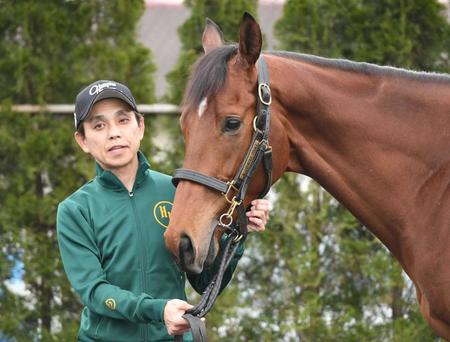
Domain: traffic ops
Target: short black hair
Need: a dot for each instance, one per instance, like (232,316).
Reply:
(137,115)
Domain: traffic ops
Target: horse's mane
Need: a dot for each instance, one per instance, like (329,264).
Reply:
(363,67)
(208,76)
(210,71)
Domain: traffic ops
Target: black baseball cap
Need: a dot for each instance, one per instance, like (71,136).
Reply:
(97,91)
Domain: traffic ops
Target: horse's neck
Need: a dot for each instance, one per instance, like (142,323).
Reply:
(379,144)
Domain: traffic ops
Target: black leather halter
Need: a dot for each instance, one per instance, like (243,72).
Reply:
(258,150)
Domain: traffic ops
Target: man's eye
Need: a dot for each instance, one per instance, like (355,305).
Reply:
(99,126)
(231,124)
(125,120)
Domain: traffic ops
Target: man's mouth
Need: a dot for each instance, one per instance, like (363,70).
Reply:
(117,147)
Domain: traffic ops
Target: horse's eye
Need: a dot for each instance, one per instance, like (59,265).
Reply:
(231,124)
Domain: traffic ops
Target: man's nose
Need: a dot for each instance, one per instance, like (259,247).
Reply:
(114,131)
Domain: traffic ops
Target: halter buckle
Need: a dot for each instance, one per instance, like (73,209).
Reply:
(263,91)
(230,187)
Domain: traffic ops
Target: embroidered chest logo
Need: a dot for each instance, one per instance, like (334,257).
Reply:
(161,212)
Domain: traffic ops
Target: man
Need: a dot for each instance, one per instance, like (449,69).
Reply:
(110,231)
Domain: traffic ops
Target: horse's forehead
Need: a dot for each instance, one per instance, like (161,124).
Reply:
(236,91)
(239,75)
(194,115)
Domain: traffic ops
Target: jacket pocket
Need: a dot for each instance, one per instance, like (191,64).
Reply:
(97,329)
(89,325)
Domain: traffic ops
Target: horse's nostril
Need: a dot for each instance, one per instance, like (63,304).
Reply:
(186,250)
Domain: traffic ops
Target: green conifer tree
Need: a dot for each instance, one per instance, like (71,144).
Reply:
(49,50)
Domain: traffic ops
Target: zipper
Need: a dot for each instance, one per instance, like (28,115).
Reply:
(142,251)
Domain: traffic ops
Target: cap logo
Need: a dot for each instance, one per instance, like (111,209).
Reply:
(98,88)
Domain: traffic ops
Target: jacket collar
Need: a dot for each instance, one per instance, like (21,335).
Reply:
(109,179)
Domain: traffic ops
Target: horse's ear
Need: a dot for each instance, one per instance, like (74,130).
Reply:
(250,40)
(212,36)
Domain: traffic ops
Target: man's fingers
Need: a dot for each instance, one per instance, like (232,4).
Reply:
(178,326)
(261,205)
(255,224)
(173,312)
(257,214)
(181,304)
(264,207)
(178,331)
(261,202)
(186,306)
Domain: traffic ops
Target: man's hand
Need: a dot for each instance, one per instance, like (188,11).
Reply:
(173,312)
(258,215)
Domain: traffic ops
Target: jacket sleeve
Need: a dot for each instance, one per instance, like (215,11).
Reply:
(200,281)
(82,263)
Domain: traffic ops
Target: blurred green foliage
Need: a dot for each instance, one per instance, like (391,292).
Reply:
(315,275)
(49,50)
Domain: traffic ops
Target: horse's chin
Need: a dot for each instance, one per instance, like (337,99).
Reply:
(214,247)
(211,256)
(198,266)
(198,263)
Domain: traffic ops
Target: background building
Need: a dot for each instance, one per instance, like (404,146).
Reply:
(158,31)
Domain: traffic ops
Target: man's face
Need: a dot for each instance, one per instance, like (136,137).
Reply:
(112,134)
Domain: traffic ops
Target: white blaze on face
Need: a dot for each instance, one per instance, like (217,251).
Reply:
(202,107)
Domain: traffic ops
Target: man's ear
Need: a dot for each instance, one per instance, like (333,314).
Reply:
(141,127)
(81,141)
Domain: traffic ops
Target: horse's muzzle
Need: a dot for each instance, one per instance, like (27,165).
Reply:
(187,256)
(186,253)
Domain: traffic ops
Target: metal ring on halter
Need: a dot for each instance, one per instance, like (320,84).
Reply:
(254,123)
(230,217)
(266,86)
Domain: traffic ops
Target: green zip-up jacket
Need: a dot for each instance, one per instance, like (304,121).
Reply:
(112,247)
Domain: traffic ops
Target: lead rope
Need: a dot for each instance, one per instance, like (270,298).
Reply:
(209,296)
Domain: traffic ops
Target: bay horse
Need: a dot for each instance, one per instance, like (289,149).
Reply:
(376,138)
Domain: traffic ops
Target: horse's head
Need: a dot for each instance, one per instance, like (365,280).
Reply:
(217,125)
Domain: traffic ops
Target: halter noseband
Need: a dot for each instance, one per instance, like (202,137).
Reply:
(258,150)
